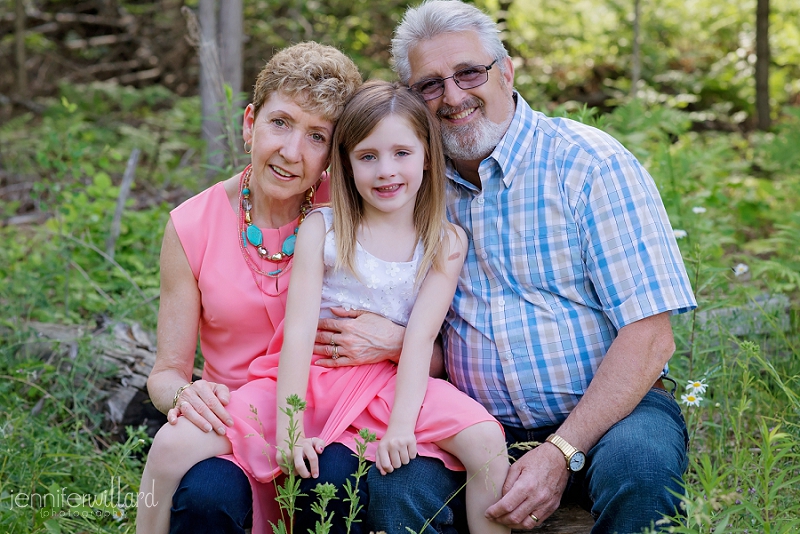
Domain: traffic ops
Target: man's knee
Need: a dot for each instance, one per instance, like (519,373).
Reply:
(422,490)
(639,463)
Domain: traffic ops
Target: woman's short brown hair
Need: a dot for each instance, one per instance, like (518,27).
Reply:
(319,78)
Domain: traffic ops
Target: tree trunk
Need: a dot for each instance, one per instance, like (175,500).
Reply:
(762,64)
(211,96)
(231,22)
(19,37)
(636,60)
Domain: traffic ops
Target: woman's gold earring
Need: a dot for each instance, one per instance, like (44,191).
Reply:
(247,147)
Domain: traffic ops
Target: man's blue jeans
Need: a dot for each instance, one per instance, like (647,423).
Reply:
(626,484)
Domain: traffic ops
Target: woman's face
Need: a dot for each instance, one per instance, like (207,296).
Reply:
(291,147)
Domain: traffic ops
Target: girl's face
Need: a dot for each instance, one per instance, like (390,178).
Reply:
(388,166)
(290,147)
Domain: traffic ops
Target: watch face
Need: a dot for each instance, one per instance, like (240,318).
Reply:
(577,461)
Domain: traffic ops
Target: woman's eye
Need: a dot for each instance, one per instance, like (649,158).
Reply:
(318,137)
(403,153)
(368,157)
(279,122)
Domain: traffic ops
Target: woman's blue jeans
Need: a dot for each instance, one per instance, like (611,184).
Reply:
(627,484)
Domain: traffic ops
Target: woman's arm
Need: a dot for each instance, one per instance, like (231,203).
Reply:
(398,445)
(365,337)
(300,324)
(178,321)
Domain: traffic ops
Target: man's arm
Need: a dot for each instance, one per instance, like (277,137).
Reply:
(634,361)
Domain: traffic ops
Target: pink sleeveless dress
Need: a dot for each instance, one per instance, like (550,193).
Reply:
(339,401)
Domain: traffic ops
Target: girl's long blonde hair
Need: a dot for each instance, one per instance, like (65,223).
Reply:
(371,103)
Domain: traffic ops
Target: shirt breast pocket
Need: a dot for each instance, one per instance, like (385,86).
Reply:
(545,258)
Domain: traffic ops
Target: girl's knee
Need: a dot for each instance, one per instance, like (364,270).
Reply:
(489,435)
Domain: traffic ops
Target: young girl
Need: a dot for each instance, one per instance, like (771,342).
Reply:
(384,247)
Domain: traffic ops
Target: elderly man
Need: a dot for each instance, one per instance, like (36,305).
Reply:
(560,324)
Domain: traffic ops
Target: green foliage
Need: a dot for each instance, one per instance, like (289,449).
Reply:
(698,56)
(289,490)
(77,151)
(58,473)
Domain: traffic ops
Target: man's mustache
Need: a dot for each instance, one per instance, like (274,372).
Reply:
(445,110)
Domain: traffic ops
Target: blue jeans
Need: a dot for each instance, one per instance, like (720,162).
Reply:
(382,506)
(340,464)
(626,484)
(213,497)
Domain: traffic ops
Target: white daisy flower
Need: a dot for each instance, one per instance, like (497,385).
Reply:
(680,234)
(690,399)
(740,269)
(118,514)
(698,387)
(698,209)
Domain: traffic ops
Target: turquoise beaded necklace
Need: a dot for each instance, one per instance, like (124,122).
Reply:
(252,235)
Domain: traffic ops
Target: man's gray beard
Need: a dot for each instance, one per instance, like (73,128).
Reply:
(473,141)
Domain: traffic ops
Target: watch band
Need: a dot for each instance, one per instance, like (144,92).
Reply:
(566,449)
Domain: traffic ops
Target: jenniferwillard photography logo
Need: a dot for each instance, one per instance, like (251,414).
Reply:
(60,502)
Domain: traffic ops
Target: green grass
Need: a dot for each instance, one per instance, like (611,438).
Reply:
(736,197)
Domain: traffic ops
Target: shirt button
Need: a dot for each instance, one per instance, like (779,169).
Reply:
(484,255)
(480,201)
(501,302)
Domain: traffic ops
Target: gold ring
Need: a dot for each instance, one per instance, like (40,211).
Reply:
(332,341)
(335,354)
(535,519)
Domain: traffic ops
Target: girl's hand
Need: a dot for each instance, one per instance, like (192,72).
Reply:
(203,404)
(395,450)
(306,450)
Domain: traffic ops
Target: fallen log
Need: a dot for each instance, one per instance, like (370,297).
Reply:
(123,354)
(568,519)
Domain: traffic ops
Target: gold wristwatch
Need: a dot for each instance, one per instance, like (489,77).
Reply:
(575,459)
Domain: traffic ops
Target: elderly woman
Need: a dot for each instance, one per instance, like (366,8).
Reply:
(225,266)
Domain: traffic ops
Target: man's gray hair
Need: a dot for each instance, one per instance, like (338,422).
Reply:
(436,17)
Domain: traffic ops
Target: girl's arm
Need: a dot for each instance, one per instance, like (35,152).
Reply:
(300,325)
(398,445)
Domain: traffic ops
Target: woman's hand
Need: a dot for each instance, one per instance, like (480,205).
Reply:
(395,450)
(360,337)
(305,450)
(203,404)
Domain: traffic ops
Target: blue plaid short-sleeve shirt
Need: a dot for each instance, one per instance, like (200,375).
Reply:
(568,242)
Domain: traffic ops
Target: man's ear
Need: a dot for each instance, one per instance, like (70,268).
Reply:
(508,74)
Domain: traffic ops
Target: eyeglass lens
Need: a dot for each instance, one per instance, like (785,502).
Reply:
(467,78)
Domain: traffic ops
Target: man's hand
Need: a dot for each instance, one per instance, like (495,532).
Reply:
(534,485)
(203,404)
(361,337)
(395,450)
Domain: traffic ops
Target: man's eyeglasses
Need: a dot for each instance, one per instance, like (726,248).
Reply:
(467,78)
